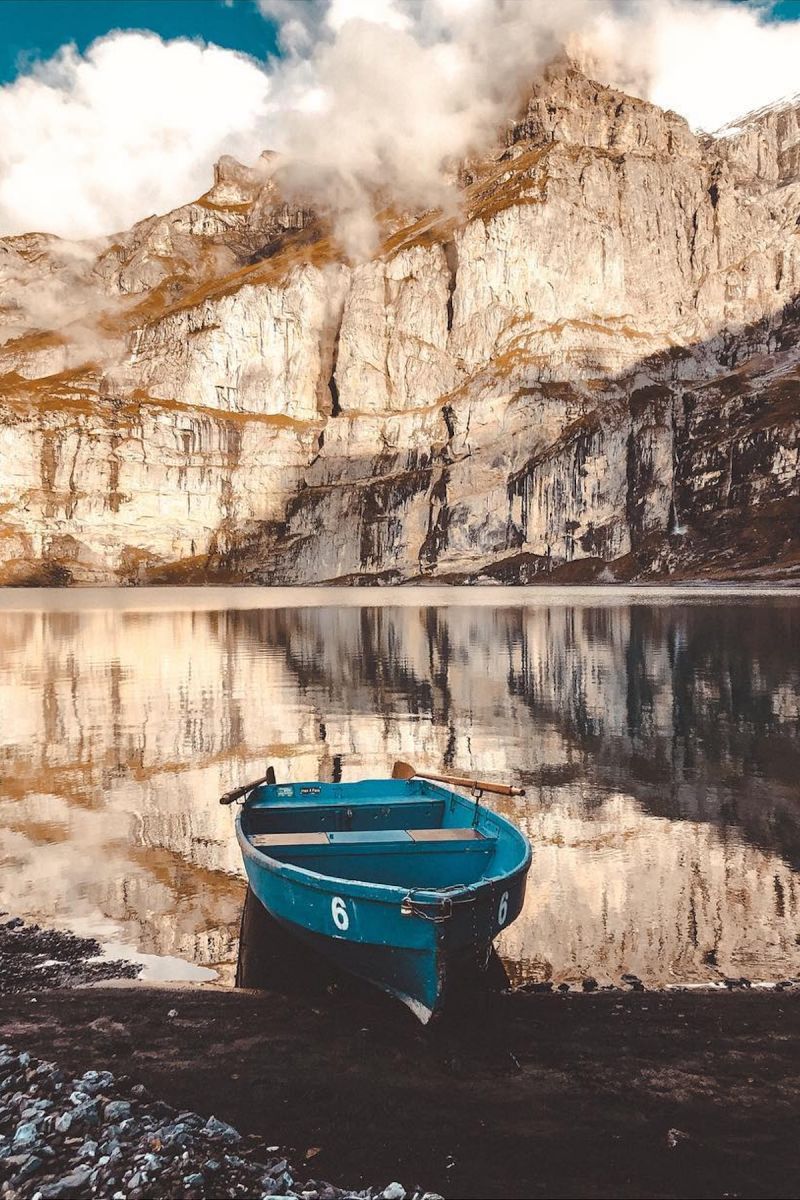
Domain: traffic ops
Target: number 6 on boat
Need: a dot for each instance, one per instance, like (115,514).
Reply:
(502,911)
(340,915)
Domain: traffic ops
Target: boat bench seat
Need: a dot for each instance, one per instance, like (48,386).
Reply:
(446,835)
(263,840)
(366,836)
(299,817)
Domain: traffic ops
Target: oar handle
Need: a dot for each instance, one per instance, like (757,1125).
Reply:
(480,785)
(237,793)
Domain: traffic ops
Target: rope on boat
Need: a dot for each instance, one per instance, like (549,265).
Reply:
(444,907)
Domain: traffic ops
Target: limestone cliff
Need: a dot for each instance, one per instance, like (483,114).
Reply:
(589,370)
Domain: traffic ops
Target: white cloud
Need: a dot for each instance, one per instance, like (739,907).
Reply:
(90,144)
(710,61)
(380,12)
(400,97)
(718,63)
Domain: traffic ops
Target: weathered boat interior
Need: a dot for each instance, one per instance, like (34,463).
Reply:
(407,833)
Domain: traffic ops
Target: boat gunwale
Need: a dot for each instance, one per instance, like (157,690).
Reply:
(387,893)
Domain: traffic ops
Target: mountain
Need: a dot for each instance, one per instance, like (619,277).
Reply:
(586,370)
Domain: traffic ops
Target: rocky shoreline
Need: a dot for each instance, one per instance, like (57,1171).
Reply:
(32,957)
(97,1135)
(100,1135)
(608,1093)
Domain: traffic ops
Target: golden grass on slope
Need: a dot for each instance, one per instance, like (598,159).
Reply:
(272,271)
(141,399)
(502,185)
(73,391)
(521,180)
(213,206)
(428,230)
(35,340)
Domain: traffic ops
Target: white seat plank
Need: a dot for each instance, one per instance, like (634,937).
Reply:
(445,835)
(263,840)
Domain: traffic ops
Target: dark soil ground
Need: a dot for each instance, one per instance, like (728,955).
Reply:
(610,1094)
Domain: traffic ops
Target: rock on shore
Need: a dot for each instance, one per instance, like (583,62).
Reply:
(31,957)
(95,1135)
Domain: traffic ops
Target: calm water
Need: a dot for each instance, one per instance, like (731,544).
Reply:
(659,741)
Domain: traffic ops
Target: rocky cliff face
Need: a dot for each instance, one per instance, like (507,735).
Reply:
(590,372)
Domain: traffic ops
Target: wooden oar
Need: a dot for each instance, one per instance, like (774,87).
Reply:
(404,770)
(237,793)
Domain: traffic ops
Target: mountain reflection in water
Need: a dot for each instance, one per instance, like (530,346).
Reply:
(659,744)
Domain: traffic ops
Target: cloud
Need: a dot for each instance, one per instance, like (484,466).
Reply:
(372,101)
(90,144)
(375,111)
(375,100)
(708,60)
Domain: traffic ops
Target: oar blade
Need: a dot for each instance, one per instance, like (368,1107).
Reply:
(403,770)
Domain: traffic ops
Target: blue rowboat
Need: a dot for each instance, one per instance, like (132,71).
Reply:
(401,881)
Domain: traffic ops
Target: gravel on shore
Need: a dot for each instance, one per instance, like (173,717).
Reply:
(97,1135)
(35,958)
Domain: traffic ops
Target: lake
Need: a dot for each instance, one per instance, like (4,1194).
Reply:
(657,734)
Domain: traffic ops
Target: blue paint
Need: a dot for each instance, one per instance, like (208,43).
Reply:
(370,884)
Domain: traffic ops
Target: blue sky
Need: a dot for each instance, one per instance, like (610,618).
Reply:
(787,10)
(34,29)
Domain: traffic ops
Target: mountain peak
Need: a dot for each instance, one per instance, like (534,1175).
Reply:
(764,143)
(566,105)
(756,116)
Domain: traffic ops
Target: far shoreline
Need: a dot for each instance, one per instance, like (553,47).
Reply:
(213,597)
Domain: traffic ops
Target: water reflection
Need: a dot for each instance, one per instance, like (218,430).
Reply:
(660,745)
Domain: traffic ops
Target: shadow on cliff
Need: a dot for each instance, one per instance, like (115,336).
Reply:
(730,515)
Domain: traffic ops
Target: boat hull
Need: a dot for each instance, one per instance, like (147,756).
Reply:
(401,882)
(363,928)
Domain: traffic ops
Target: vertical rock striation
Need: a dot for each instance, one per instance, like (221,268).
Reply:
(590,371)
